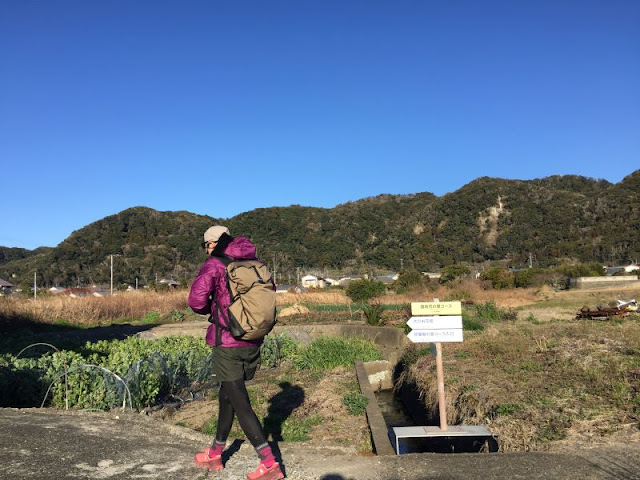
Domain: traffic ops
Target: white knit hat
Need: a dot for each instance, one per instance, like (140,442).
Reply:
(214,233)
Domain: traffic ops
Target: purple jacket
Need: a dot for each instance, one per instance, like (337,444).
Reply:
(210,282)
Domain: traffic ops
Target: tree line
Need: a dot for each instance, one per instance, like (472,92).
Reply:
(554,221)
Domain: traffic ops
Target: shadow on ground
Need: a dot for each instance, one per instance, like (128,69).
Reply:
(63,337)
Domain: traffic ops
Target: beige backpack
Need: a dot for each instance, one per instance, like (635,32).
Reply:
(252,313)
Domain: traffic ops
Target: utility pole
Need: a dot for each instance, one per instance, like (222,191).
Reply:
(530,260)
(35,285)
(112,255)
(274,269)
(401,265)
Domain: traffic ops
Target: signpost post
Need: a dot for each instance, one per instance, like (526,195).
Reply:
(444,324)
(437,322)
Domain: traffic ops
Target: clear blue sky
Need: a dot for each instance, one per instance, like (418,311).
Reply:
(107,105)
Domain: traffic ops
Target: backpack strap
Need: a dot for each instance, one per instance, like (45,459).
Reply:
(219,310)
(219,327)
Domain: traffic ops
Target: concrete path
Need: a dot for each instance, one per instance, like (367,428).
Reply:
(49,444)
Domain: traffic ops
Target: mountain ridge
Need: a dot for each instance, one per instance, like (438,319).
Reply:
(489,219)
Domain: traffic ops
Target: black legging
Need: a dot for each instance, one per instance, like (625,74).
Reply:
(234,398)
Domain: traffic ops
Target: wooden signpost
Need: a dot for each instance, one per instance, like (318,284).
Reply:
(437,322)
(436,328)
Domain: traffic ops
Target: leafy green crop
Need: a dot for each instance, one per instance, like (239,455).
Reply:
(106,374)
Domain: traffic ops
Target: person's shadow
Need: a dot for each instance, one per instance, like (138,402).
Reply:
(281,405)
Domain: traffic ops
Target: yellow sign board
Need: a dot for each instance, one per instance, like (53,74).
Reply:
(436,308)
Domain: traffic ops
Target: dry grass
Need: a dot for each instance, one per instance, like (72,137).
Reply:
(541,386)
(471,291)
(544,304)
(316,297)
(89,311)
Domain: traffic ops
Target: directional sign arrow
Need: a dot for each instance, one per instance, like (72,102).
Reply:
(435,322)
(433,336)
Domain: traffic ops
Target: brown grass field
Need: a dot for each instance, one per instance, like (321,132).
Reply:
(544,303)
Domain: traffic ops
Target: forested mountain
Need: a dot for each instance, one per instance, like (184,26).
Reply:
(552,219)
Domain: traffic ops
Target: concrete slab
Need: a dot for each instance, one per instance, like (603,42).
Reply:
(400,433)
(53,445)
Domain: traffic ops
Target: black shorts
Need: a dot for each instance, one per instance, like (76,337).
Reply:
(235,363)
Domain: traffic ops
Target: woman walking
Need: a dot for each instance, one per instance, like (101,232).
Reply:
(234,361)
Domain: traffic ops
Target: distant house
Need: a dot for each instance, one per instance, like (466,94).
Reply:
(434,275)
(613,270)
(172,283)
(78,292)
(344,281)
(5,287)
(632,267)
(313,281)
(287,287)
(387,279)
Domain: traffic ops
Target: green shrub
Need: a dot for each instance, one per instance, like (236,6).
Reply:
(470,323)
(593,269)
(374,314)
(409,279)
(499,277)
(453,272)
(530,277)
(364,290)
(489,312)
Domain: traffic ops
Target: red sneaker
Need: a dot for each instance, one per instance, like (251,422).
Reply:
(206,459)
(264,473)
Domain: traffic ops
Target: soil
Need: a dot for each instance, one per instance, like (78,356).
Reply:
(287,400)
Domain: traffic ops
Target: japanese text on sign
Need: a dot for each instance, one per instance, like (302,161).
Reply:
(436,308)
(432,336)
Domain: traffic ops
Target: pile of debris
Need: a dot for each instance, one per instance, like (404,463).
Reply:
(617,308)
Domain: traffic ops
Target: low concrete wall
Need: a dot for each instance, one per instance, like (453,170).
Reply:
(603,282)
(377,425)
(391,341)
